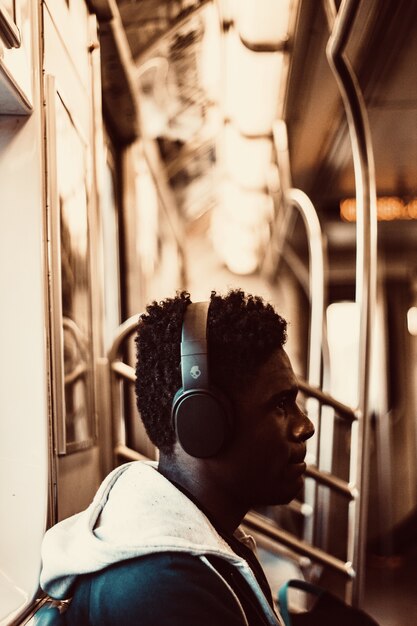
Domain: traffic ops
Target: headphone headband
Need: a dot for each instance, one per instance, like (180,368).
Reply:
(194,365)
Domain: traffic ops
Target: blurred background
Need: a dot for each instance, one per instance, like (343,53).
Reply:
(156,145)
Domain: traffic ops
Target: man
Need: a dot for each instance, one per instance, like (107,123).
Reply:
(161,544)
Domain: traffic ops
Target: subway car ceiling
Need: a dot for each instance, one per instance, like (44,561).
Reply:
(181,108)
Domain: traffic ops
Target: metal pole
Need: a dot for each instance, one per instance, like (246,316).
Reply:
(302,202)
(366,258)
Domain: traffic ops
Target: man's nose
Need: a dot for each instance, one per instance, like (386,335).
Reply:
(303,428)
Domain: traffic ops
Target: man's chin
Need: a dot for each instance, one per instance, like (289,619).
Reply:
(279,499)
(293,493)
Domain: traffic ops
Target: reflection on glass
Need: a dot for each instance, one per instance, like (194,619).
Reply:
(75,282)
(110,240)
(9,5)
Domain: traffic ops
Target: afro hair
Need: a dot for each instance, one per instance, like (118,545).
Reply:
(242,332)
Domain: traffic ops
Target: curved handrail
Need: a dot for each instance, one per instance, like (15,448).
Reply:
(126,329)
(300,200)
(307,211)
(81,368)
(317,256)
(366,257)
(123,332)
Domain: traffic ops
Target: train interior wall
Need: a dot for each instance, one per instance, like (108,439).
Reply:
(24,462)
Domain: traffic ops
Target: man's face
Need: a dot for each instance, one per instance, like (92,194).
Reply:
(266,456)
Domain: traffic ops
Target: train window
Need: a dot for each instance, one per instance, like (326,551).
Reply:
(110,234)
(71,282)
(148,222)
(8,7)
(343,339)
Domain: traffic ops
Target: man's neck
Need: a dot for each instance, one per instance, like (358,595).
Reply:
(195,477)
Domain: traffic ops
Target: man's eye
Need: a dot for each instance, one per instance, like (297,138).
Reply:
(281,404)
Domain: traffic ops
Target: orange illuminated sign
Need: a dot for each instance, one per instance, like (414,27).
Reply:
(388,209)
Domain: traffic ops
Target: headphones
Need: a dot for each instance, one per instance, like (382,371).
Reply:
(201,414)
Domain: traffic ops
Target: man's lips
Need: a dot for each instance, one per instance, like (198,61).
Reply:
(297,464)
(298,457)
(299,468)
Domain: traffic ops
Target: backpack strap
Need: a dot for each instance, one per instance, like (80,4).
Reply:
(283,595)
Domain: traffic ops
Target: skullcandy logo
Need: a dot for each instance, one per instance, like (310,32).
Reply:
(195,372)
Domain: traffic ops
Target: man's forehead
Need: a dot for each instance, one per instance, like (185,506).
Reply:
(273,377)
(278,369)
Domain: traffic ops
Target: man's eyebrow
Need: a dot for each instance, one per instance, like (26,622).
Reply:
(289,392)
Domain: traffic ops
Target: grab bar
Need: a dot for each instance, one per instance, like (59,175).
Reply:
(366,259)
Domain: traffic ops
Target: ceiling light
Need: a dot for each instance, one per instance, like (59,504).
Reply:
(243,206)
(252,86)
(210,58)
(246,161)
(263,22)
(237,244)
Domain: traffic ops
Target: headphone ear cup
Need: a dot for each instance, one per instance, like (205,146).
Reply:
(202,421)
(201,416)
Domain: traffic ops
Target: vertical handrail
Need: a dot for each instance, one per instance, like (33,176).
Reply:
(300,200)
(295,198)
(366,259)
(287,216)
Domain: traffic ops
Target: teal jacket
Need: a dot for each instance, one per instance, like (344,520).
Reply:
(144,553)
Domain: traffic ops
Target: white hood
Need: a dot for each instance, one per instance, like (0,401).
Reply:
(136,511)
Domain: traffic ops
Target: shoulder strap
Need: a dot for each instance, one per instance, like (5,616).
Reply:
(283,595)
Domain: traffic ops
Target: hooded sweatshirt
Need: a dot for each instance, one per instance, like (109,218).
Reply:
(136,514)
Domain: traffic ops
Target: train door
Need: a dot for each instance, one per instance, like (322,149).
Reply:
(70,77)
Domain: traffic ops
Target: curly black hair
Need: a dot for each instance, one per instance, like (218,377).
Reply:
(242,332)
